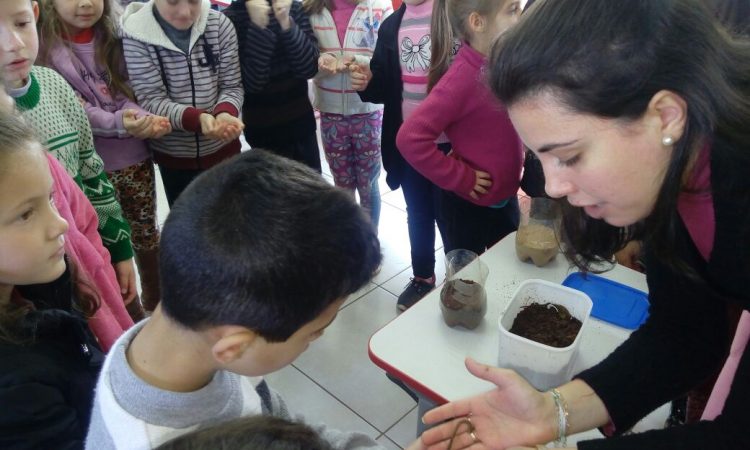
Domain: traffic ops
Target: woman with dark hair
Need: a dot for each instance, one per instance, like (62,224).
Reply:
(638,111)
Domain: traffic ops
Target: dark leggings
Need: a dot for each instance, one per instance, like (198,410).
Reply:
(421,198)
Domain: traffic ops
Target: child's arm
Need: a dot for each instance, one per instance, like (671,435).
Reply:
(300,44)
(113,228)
(149,89)
(416,141)
(231,94)
(374,91)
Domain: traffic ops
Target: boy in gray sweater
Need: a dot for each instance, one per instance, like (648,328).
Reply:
(257,256)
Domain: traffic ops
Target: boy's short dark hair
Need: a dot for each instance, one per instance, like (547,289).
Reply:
(262,242)
(251,433)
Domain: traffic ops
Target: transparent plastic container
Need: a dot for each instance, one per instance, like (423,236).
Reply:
(463,299)
(543,366)
(536,238)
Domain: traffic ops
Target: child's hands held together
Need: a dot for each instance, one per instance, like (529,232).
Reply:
(281,11)
(259,11)
(483,182)
(361,76)
(224,127)
(138,127)
(145,127)
(231,127)
(331,65)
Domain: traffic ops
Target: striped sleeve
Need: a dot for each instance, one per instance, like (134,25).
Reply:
(113,228)
(256,47)
(148,86)
(231,93)
(300,44)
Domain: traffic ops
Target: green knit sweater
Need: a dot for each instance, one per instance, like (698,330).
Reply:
(53,109)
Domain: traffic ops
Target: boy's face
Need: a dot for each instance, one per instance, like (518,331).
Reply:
(262,357)
(181,14)
(18,40)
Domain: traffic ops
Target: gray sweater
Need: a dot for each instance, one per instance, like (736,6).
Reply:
(129,413)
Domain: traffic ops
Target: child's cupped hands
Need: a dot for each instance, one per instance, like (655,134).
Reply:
(146,126)
(361,75)
(331,65)
(224,127)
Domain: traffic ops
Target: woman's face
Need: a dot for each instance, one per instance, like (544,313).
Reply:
(613,170)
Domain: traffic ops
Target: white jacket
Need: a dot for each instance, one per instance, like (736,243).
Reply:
(334,93)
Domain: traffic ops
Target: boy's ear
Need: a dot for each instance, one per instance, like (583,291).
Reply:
(35,8)
(232,344)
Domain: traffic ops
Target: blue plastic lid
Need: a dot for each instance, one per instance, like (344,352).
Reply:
(613,302)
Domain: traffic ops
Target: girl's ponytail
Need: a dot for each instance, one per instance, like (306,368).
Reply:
(442,37)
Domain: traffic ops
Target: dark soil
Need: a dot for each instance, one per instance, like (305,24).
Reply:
(546,323)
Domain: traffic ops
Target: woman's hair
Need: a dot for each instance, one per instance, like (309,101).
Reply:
(17,136)
(317,6)
(733,14)
(608,59)
(108,51)
(250,433)
(450,21)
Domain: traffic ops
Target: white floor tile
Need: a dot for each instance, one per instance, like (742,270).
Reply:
(395,198)
(360,293)
(340,364)
(404,432)
(387,443)
(315,404)
(394,242)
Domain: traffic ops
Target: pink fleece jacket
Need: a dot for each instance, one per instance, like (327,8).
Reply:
(478,127)
(84,247)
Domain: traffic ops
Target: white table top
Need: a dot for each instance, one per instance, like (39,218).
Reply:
(420,349)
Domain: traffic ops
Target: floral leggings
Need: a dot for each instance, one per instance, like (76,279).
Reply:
(352,148)
(136,192)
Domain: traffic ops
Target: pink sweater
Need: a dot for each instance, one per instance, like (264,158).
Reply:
(84,247)
(478,127)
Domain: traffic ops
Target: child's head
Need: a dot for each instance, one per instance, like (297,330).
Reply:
(61,18)
(18,40)
(181,14)
(264,243)
(477,22)
(251,433)
(31,231)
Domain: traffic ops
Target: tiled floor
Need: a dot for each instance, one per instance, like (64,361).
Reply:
(334,381)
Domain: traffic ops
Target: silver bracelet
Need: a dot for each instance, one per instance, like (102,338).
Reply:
(562,417)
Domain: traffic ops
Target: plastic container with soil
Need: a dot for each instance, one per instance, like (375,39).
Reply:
(463,300)
(544,366)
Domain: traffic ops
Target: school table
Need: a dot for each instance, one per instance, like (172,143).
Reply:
(418,348)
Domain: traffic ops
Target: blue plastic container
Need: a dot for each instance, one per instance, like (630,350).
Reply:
(613,302)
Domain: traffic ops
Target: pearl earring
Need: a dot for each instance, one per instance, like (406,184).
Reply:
(667,141)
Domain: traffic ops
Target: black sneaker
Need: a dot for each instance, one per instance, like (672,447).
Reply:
(414,291)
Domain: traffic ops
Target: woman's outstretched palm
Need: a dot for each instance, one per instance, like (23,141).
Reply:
(512,414)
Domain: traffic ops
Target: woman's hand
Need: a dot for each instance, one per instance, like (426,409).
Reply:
(483,182)
(512,414)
